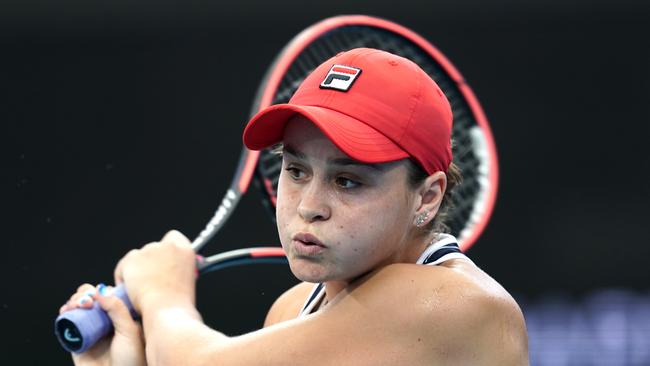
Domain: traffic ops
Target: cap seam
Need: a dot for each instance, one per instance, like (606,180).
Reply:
(410,121)
(418,97)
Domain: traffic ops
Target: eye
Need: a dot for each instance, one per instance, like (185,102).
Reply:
(295,173)
(346,183)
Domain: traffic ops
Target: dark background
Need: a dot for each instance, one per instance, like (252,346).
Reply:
(122,120)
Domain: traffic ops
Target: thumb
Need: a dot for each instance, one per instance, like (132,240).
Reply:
(120,316)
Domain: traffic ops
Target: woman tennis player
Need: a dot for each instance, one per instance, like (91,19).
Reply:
(367,175)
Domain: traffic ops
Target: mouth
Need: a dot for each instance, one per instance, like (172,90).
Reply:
(307,244)
(308,239)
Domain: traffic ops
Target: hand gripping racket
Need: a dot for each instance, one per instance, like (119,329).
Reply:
(474,150)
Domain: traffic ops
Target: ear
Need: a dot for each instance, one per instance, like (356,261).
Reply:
(430,194)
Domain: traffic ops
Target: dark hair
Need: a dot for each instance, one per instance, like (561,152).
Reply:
(416,174)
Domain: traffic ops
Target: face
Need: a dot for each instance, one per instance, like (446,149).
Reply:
(338,218)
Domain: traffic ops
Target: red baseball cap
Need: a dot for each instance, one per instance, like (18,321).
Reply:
(375,106)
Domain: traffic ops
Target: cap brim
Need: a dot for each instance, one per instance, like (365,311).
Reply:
(355,138)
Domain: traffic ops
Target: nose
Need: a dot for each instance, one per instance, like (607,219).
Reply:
(314,205)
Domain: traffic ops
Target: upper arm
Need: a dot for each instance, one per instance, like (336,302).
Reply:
(501,334)
(289,304)
(352,329)
(485,326)
(388,318)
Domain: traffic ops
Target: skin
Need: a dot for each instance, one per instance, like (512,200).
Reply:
(381,308)
(357,211)
(125,347)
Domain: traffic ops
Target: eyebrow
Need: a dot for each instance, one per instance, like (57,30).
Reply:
(288,149)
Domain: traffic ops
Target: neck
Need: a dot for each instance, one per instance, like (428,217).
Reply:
(333,288)
(409,255)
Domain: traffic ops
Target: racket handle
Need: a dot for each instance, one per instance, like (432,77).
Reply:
(79,329)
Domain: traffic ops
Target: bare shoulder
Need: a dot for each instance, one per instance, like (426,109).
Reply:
(458,309)
(289,304)
(400,314)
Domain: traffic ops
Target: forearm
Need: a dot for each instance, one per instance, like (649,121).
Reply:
(175,334)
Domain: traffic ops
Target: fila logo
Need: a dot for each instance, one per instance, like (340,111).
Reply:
(340,77)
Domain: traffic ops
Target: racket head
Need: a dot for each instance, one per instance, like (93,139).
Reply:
(474,150)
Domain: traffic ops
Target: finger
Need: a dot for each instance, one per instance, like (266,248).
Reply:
(175,236)
(85,287)
(117,273)
(83,298)
(118,312)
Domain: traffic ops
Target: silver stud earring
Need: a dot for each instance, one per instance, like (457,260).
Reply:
(419,221)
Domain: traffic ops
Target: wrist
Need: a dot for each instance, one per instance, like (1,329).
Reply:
(169,327)
(152,303)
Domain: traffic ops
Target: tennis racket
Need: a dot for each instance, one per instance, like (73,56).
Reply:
(474,150)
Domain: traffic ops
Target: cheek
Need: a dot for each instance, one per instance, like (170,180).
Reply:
(283,208)
(376,225)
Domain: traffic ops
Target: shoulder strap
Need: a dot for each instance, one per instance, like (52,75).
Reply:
(444,249)
(314,298)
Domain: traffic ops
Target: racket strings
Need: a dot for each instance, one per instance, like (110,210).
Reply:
(467,152)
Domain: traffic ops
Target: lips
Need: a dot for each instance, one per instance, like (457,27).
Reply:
(307,244)
(308,239)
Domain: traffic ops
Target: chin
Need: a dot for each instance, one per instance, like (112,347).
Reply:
(308,271)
